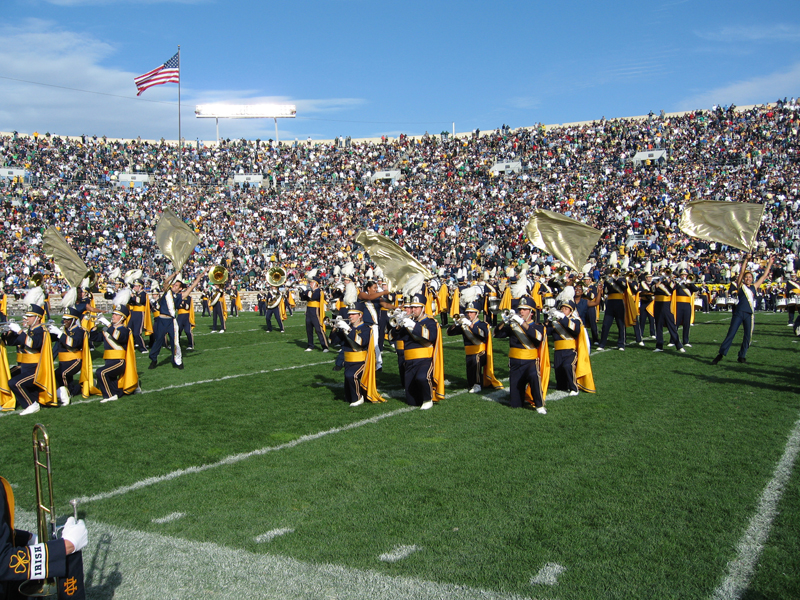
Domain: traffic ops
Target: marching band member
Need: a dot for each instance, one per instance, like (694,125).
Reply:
(387,302)
(646,304)
(528,356)
(141,321)
(590,293)
(315,312)
(262,309)
(23,557)
(571,356)
(359,358)
(743,311)
(792,298)
(204,303)
(272,301)
(33,381)
(616,288)
(684,308)
(3,305)
(370,303)
(236,301)
(186,322)
(477,343)
(166,324)
(662,311)
(218,308)
(70,352)
(422,340)
(118,375)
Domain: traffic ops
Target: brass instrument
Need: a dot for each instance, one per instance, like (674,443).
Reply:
(339,321)
(275,300)
(6,326)
(218,275)
(276,276)
(394,318)
(46,530)
(494,304)
(37,278)
(507,314)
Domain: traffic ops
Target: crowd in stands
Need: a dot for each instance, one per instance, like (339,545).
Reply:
(448,209)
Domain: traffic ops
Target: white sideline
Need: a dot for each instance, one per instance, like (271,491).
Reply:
(131,565)
(399,553)
(271,535)
(169,518)
(741,569)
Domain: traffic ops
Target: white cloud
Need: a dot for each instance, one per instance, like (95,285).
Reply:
(759,90)
(752,33)
(70,63)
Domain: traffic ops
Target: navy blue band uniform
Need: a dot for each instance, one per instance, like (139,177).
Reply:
(166,326)
(138,305)
(69,346)
(29,348)
(314,306)
(662,311)
(615,288)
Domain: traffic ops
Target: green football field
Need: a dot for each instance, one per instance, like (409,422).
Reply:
(246,475)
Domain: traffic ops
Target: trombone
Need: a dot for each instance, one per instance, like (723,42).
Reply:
(46,530)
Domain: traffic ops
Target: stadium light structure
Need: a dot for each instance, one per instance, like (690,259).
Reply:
(246,111)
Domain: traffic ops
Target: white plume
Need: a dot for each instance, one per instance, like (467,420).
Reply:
(337,271)
(413,285)
(648,267)
(311,274)
(519,289)
(122,297)
(114,273)
(612,259)
(470,294)
(350,294)
(625,263)
(566,295)
(69,299)
(35,296)
(348,269)
(132,276)
(509,271)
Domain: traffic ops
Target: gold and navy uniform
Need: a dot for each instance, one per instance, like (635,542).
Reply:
(397,336)
(204,303)
(523,360)
(684,307)
(262,308)
(184,320)
(314,306)
(29,343)
(476,338)
(272,308)
(137,305)
(645,300)
(615,310)
(166,325)
(217,304)
(115,345)
(742,316)
(419,345)
(590,293)
(662,310)
(69,346)
(20,562)
(356,344)
(565,332)
(3,307)
(792,299)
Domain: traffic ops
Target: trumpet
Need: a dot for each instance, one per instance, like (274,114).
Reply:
(339,322)
(396,316)
(6,327)
(507,315)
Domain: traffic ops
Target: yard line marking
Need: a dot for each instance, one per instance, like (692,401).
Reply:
(169,518)
(548,574)
(235,458)
(741,569)
(271,535)
(130,565)
(399,553)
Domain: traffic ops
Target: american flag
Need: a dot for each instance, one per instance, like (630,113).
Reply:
(169,72)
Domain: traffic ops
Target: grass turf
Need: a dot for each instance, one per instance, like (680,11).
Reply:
(641,490)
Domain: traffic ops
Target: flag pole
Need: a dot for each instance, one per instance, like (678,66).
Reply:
(180,139)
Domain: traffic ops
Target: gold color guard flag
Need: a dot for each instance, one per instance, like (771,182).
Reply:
(175,238)
(397,264)
(570,241)
(67,260)
(733,223)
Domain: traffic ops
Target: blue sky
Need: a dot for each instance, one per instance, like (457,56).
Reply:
(366,69)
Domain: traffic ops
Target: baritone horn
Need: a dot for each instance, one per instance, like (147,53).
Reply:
(276,276)
(45,515)
(218,275)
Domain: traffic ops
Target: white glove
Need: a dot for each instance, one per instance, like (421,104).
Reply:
(14,327)
(557,314)
(75,533)
(103,321)
(55,330)
(345,327)
(409,323)
(466,323)
(517,319)
(34,540)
